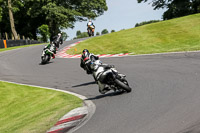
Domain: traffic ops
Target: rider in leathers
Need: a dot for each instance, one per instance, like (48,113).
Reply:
(90,25)
(57,40)
(87,61)
(51,49)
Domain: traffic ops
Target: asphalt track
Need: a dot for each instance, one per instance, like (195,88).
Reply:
(165,97)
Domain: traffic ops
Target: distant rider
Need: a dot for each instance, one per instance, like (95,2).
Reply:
(90,25)
(57,40)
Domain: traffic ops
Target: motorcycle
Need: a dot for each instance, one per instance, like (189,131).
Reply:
(91,30)
(47,53)
(110,76)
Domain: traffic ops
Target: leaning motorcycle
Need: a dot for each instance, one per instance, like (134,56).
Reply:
(110,77)
(47,53)
(91,30)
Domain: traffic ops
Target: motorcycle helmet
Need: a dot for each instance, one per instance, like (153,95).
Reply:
(85,51)
(85,55)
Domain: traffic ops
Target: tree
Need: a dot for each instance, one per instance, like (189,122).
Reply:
(65,36)
(78,33)
(82,35)
(1,12)
(12,22)
(195,6)
(44,32)
(97,34)
(62,14)
(57,14)
(112,31)
(175,8)
(104,31)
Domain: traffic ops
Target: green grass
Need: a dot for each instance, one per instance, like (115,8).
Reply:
(11,48)
(25,109)
(181,34)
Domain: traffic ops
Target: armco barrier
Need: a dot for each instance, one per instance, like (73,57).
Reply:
(1,44)
(13,43)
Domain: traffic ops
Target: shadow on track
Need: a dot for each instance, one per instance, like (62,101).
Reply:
(111,94)
(84,84)
(45,63)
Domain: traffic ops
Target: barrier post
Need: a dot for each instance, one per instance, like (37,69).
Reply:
(5,44)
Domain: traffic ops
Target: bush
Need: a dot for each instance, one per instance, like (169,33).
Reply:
(43,30)
(146,22)
(105,31)
(97,34)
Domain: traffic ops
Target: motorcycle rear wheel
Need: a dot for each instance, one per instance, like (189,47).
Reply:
(123,86)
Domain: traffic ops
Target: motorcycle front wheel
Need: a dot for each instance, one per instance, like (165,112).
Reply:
(48,57)
(89,34)
(44,59)
(123,85)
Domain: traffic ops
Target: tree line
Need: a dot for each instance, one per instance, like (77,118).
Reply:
(32,16)
(175,8)
(80,34)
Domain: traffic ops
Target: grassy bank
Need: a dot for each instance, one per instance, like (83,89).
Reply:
(10,48)
(181,34)
(25,109)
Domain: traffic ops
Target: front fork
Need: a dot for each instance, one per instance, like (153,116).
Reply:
(43,53)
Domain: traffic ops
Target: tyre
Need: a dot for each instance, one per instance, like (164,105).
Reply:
(48,57)
(123,86)
(89,34)
(44,59)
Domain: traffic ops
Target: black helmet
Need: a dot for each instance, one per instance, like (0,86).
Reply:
(85,50)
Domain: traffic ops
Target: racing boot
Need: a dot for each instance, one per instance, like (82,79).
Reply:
(53,56)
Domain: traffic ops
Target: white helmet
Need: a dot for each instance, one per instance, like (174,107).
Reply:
(59,34)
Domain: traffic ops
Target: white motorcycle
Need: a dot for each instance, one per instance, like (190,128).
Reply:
(47,53)
(109,76)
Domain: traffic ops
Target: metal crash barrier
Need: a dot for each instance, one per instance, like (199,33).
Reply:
(13,43)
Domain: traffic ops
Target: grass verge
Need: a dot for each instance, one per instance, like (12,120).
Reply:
(11,48)
(25,109)
(180,34)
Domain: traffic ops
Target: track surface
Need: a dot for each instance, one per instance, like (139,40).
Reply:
(166,96)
